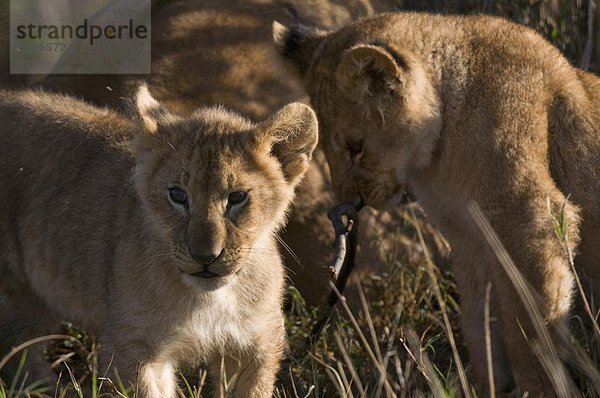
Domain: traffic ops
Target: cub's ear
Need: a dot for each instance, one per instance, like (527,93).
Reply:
(148,111)
(297,44)
(368,70)
(291,135)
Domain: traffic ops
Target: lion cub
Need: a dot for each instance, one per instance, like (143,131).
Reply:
(160,239)
(462,110)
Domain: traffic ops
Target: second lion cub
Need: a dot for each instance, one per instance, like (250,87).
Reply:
(461,110)
(159,239)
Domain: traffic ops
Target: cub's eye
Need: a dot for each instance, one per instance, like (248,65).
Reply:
(237,197)
(178,196)
(355,148)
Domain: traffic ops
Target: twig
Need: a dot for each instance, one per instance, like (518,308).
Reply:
(343,230)
(345,241)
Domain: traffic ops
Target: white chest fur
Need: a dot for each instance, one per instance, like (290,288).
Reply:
(219,324)
(224,321)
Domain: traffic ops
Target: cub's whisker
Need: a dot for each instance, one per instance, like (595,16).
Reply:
(289,250)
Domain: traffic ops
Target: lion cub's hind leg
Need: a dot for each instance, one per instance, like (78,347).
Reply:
(24,317)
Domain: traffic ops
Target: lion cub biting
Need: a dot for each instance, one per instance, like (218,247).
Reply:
(462,110)
(158,238)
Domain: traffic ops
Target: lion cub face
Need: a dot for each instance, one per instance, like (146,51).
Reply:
(378,112)
(215,186)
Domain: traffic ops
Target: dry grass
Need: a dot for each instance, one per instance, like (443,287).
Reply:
(407,328)
(399,338)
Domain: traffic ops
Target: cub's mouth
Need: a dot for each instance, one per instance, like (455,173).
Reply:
(206,274)
(203,275)
(403,197)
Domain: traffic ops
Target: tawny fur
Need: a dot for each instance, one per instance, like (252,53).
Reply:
(89,234)
(463,109)
(204,53)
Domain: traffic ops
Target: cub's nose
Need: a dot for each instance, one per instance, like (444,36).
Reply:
(206,256)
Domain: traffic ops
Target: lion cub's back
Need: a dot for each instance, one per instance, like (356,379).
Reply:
(54,140)
(57,123)
(63,166)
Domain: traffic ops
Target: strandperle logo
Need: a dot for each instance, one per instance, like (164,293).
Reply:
(83,31)
(80,36)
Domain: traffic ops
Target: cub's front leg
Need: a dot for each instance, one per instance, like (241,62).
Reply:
(526,228)
(251,373)
(130,364)
(156,378)
(23,317)
(473,277)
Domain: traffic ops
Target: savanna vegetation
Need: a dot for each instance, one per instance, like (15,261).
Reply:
(397,333)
